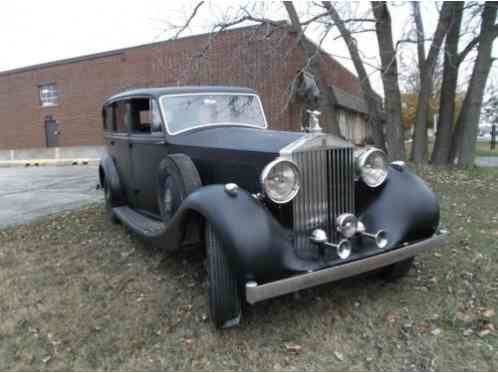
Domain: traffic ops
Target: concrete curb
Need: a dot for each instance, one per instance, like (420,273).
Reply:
(50,162)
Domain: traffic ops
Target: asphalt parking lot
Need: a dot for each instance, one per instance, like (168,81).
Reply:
(30,193)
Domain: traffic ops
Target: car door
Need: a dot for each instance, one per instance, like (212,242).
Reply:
(117,142)
(148,148)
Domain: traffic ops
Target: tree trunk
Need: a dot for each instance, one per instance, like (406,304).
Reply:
(394,122)
(448,89)
(468,119)
(312,54)
(372,99)
(419,149)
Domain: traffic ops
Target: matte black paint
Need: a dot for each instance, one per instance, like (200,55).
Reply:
(257,244)
(261,249)
(221,154)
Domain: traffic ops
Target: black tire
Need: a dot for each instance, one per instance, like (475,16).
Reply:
(178,177)
(223,291)
(397,270)
(111,216)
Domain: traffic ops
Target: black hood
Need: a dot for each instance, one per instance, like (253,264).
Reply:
(232,154)
(237,138)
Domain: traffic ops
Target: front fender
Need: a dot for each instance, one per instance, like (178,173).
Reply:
(405,207)
(252,239)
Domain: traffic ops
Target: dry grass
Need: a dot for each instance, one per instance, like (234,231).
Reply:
(482,149)
(77,293)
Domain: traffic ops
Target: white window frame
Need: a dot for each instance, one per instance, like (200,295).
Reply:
(48,94)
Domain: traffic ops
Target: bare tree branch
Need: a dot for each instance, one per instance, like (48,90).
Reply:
(461,56)
(189,20)
(373,104)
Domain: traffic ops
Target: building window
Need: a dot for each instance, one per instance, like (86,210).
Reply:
(48,95)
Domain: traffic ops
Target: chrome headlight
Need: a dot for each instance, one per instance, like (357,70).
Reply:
(280,180)
(372,166)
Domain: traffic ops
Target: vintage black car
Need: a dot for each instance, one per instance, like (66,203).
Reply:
(276,211)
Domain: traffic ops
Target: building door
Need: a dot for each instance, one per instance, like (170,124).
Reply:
(51,132)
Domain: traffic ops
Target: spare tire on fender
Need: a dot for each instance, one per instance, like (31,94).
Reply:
(178,177)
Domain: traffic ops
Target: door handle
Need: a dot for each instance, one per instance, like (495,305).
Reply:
(112,142)
(130,145)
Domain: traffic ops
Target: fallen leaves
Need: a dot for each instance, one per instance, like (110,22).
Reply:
(486,328)
(392,317)
(464,316)
(46,359)
(436,331)
(423,328)
(487,312)
(339,355)
(293,348)
(468,332)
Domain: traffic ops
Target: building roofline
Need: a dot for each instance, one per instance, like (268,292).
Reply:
(116,52)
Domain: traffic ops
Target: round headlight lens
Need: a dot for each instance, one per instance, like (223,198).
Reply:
(372,165)
(280,180)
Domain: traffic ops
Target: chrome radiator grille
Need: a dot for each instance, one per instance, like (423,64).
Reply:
(327,191)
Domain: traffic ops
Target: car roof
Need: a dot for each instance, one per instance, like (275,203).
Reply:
(160,91)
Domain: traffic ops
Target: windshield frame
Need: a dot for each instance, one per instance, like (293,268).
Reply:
(195,127)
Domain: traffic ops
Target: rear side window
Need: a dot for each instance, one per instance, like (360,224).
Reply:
(144,116)
(108,119)
(119,125)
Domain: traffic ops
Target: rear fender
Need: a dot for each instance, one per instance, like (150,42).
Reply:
(109,173)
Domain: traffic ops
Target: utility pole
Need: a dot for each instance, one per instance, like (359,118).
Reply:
(493,137)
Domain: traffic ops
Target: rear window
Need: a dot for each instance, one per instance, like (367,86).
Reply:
(120,111)
(108,118)
(185,112)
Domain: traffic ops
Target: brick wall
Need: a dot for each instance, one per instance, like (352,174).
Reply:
(256,57)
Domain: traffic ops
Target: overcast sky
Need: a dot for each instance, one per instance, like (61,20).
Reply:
(34,32)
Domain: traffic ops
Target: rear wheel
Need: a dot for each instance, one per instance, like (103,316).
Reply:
(397,270)
(223,292)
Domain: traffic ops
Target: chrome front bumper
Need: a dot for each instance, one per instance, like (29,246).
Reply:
(256,293)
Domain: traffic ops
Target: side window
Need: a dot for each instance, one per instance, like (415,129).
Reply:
(108,117)
(144,116)
(120,109)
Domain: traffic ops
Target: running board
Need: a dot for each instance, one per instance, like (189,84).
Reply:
(138,223)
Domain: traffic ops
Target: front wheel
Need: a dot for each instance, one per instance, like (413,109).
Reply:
(223,292)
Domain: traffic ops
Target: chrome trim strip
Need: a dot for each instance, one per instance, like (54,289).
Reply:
(288,285)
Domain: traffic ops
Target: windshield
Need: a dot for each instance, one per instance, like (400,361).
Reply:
(185,112)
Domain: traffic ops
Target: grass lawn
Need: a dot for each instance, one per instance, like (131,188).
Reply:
(482,149)
(78,293)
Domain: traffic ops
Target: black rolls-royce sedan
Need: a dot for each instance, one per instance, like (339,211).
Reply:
(275,211)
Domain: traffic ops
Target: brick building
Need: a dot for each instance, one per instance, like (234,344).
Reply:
(65,97)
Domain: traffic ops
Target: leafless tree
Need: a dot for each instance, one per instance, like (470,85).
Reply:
(452,62)
(426,67)
(389,73)
(464,138)
(431,80)
(371,97)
